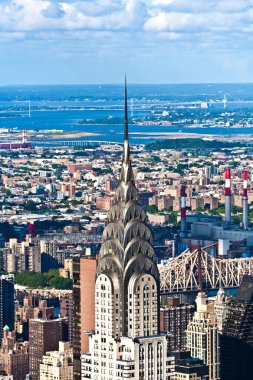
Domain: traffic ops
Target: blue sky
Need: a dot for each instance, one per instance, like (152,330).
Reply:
(154,41)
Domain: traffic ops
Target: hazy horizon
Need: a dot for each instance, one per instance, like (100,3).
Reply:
(128,83)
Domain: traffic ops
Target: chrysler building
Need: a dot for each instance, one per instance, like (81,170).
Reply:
(127,342)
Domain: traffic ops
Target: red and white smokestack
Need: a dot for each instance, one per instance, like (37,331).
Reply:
(227,196)
(24,136)
(183,210)
(245,200)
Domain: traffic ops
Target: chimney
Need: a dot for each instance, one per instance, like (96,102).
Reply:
(227,196)
(245,200)
(24,137)
(183,211)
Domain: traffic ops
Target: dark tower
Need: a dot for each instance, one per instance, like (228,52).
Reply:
(6,302)
(236,341)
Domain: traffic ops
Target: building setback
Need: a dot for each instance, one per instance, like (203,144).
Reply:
(187,368)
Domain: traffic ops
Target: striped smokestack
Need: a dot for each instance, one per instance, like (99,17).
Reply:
(24,136)
(245,200)
(227,196)
(183,210)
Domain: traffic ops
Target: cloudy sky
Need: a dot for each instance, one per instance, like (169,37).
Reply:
(154,41)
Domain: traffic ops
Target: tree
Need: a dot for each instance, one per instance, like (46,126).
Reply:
(173,217)
(151,209)
(30,206)
(41,280)
(6,191)
(236,209)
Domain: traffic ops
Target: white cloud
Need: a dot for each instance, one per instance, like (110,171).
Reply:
(184,16)
(209,23)
(195,6)
(33,15)
(168,16)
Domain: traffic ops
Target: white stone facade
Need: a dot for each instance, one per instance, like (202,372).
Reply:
(202,336)
(57,365)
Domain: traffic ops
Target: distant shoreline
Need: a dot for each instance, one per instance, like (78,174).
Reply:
(182,135)
(70,135)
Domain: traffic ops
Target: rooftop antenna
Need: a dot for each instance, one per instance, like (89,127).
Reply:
(125,114)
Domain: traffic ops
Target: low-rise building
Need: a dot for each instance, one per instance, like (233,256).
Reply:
(14,359)
(187,368)
(67,271)
(57,365)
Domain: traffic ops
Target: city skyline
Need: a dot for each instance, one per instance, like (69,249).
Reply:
(126,252)
(41,41)
(130,314)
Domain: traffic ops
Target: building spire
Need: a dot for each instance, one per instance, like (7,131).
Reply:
(126,150)
(126,249)
(126,116)
(126,171)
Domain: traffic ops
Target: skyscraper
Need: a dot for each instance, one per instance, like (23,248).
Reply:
(84,271)
(76,318)
(174,318)
(236,341)
(6,302)
(127,340)
(44,336)
(202,336)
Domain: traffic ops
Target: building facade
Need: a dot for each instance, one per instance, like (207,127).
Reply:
(174,319)
(24,256)
(44,336)
(84,272)
(66,311)
(202,338)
